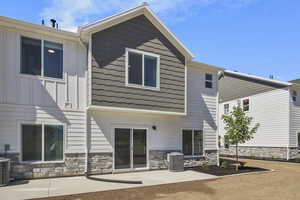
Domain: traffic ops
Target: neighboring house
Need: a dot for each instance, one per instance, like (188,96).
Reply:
(275,105)
(118,95)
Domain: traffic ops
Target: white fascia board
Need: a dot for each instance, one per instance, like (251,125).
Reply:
(92,25)
(30,27)
(259,78)
(108,108)
(129,14)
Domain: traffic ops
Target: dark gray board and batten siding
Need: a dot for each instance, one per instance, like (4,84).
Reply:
(108,68)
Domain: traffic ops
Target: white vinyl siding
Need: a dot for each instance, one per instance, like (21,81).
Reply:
(271,110)
(16,88)
(202,106)
(294,119)
(12,116)
(165,137)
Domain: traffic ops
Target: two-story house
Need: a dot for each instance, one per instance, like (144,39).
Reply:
(274,104)
(117,95)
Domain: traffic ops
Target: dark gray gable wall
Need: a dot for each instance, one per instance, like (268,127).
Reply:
(108,68)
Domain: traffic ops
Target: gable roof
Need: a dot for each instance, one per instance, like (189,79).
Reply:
(143,9)
(235,85)
(261,80)
(295,81)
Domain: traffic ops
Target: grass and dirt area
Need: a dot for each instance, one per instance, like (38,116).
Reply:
(228,167)
(281,184)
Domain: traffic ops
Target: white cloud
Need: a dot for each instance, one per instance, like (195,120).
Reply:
(72,13)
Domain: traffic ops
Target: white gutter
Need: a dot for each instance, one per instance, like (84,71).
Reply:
(258,78)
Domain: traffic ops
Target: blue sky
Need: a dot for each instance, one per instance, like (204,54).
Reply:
(259,37)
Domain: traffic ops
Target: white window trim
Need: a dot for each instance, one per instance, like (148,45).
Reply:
(203,142)
(40,77)
(157,88)
(210,81)
(43,142)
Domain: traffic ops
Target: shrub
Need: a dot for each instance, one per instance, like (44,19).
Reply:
(297,160)
(242,164)
(204,166)
(224,164)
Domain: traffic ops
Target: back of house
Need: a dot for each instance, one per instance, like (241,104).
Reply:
(273,104)
(118,95)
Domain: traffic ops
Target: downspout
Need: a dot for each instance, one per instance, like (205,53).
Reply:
(220,76)
(86,109)
(289,131)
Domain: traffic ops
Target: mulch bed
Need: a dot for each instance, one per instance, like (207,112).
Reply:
(228,170)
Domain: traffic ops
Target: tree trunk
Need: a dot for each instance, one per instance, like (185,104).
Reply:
(237,157)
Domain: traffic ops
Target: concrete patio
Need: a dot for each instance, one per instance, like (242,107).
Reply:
(75,185)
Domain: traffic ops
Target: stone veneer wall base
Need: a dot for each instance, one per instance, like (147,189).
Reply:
(99,163)
(279,153)
(74,165)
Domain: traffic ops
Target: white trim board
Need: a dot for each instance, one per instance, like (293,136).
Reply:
(107,108)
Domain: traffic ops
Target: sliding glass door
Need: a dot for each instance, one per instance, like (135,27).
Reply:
(122,149)
(130,149)
(139,148)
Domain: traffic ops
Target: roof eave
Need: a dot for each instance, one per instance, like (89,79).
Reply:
(205,66)
(283,83)
(27,26)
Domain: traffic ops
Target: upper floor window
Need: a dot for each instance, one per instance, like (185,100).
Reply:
(41,58)
(226,109)
(294,96)
(208,80)
(246,106)
(142,69)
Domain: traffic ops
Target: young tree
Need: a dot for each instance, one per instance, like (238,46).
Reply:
(237,127)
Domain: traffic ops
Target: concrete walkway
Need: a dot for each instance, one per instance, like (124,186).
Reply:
(75,185)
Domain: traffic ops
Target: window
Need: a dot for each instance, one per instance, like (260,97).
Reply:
(226,109)
(42,142)
(35,61)
(298,137)
(294,96)
(192,142)
(226,141)
(208,80)
(246,104)
(31,56)
(142,69)
(53,60)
